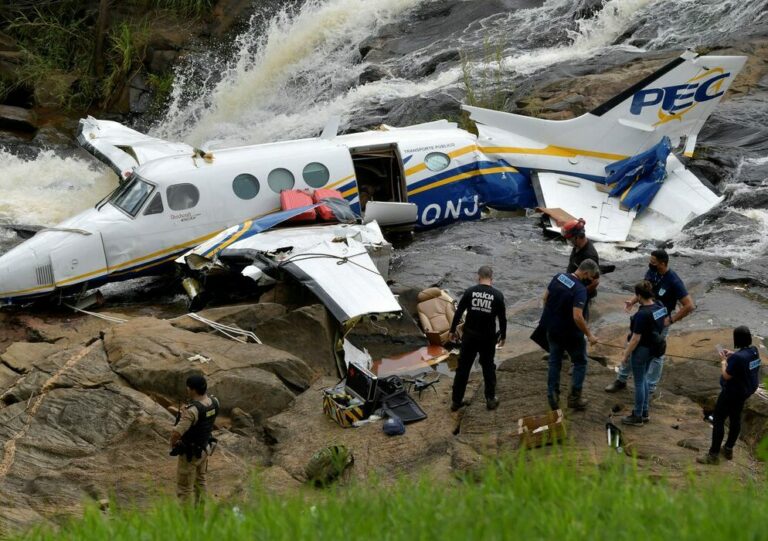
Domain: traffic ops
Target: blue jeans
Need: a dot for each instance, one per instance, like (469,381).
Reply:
(654,371)
(640,361)
(577,350)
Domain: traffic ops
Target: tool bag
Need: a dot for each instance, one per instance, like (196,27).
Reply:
(396,401)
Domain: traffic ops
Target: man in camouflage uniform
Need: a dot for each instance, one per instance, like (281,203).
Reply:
(192,441)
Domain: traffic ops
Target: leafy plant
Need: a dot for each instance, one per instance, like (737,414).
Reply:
(127,49)
(483,80)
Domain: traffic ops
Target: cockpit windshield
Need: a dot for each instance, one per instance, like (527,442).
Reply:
(132,195)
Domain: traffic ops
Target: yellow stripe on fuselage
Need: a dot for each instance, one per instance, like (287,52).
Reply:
(233,238)
(462,176)
(562,152)
(339,183)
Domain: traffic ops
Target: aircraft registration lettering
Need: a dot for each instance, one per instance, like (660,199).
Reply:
(676,97)
(434,212)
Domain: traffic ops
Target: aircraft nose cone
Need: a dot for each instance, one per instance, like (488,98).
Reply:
(22,274)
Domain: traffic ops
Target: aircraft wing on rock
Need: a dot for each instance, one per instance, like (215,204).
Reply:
(343,264)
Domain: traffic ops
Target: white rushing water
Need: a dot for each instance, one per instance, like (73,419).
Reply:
(290,71)
(50,188)
(286,81)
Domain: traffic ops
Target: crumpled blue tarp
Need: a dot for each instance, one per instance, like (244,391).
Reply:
(639,178)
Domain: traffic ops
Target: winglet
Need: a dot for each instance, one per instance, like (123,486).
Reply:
(331,128)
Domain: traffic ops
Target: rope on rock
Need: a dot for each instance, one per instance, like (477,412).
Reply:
(227,330)
(33,406)
(111,319)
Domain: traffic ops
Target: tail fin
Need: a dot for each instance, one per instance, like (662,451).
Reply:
(674,101)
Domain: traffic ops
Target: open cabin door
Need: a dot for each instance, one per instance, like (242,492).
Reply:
(381,185)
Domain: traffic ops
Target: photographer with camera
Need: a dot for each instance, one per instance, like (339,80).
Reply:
(192,440)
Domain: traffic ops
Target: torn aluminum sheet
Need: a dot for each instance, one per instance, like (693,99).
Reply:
(332,261)
(277,242)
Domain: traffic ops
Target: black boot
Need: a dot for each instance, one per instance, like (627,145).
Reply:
(576,402)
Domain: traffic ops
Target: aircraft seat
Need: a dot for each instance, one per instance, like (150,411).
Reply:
(436,309)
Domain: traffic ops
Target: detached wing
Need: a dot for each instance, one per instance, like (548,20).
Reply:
(122,148)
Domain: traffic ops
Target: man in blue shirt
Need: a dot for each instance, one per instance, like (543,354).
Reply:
(563,317)
(669,290)
(740,375)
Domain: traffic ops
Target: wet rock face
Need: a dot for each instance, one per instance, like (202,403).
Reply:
(722,227)
(17,119)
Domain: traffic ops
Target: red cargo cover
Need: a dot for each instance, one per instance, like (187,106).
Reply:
(324,212)
(291,199)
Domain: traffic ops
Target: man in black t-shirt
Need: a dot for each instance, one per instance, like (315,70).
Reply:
(740,376)
(575,233)
(484,304)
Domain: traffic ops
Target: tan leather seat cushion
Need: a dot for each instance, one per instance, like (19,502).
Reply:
(436,311)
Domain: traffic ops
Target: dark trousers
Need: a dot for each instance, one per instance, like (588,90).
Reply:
(471,346)
(727,407)
(577,350)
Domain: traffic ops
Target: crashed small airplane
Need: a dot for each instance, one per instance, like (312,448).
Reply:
(611,166)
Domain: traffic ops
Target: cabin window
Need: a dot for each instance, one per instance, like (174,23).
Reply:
(246,186)
(437,161)
(132,197)
(155,206)
(316,175)
(182,196)
(281,179)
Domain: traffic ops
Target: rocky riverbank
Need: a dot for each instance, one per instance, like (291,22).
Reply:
(85,406)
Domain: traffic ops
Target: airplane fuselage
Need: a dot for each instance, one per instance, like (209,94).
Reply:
(169,205)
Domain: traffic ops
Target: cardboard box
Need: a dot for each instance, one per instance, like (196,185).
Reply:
(540,430)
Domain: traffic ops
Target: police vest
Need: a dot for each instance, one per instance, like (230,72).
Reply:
(199,435)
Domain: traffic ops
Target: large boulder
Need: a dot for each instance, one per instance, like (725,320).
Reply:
(244,316)
(41,365)
(156,358)
(314,344)
(80,434)
(17,119)
(275,326)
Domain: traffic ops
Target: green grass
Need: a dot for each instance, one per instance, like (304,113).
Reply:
(484,86)
(514,499)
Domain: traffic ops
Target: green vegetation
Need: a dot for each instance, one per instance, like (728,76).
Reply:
(484,86)
(127,48)
(545,498)
(82,54)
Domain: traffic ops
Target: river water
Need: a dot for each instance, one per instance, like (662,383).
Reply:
(295,66)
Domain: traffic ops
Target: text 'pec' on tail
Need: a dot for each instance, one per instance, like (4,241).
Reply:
(674,101)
